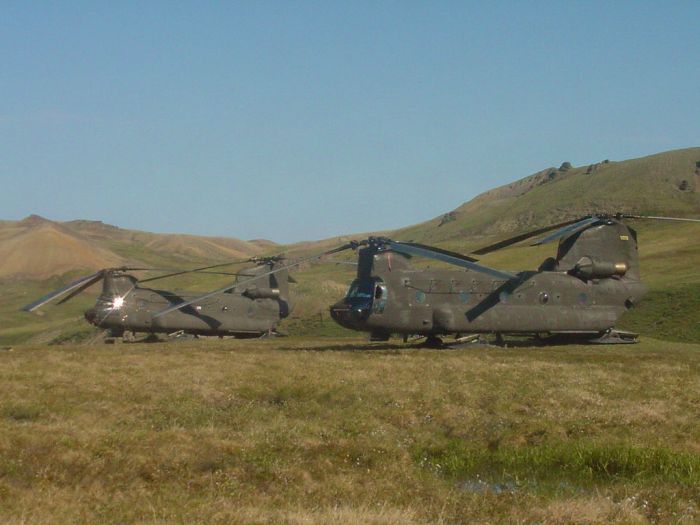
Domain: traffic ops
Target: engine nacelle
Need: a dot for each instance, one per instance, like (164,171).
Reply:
(262,293)
(590,268)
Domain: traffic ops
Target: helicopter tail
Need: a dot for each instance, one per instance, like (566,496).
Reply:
(602,250)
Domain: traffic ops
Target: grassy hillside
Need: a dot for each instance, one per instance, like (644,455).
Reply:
(301,431)
(663,184)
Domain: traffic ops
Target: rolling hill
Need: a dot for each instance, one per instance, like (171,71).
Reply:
(37,255)
(37,248)
(662,184)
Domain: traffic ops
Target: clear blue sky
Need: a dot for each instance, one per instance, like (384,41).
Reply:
(302,120)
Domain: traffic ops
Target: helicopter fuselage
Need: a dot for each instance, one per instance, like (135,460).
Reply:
(124,306)
(390,297)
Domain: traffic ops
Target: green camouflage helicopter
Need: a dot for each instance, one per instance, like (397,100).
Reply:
(251,308)
(579,295)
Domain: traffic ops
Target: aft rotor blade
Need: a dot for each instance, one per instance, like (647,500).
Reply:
(182,272)
(659,218)
(523,236)
(439,255)
(265,274)
(568,230)
(80,285)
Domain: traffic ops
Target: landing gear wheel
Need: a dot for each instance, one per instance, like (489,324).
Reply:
(616,337)
(433,341)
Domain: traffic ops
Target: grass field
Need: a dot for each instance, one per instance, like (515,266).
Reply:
(300,431)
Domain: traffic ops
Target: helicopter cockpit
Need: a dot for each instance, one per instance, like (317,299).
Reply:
(364,297)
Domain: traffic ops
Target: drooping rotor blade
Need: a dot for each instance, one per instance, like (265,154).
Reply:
(184,304)
(440,250)
(78,285)
(83,287)
(625,216)
(181,272)
(568,230)
(440,255)
(513,240)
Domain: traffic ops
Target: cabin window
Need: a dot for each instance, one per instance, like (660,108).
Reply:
(544,297)
(380,297)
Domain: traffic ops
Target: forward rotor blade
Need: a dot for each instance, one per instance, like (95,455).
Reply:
(181,272)
(265,274)
(80,284)
(83,287)
(568,230)
(443,255)
(659,218)
(513,240)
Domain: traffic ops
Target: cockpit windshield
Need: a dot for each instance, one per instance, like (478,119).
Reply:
(360,290)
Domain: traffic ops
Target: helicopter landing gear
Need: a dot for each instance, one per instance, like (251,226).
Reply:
(433,341)
(270,334)
(616,337)
(113,336)
(470,341)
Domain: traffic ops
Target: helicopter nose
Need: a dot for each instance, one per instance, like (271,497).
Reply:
(339,313)
(91,315)
(348,316)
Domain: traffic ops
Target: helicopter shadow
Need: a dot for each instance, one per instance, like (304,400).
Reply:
(392,348)
(175,299)
(496,296)
(400,348)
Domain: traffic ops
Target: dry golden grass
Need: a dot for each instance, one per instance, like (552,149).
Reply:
(298,431)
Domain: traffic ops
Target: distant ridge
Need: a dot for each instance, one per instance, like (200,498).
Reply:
(38,248)
(41,249)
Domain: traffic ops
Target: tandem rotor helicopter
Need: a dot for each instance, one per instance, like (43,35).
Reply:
(252,308)
(577,296)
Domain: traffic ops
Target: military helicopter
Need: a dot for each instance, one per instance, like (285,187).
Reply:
(246,308)
(576,296)
(251,308)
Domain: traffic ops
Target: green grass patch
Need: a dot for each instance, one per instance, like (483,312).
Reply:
(554,464)
(672,314)
(21,412)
